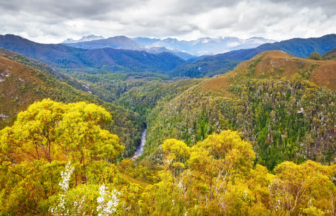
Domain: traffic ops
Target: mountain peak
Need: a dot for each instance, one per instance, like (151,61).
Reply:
(83,39)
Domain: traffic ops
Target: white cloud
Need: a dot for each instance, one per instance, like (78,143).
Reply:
(54,21)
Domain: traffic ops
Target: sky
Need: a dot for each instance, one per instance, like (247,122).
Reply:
(50,21)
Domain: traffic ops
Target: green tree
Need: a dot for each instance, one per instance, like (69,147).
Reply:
(315,55)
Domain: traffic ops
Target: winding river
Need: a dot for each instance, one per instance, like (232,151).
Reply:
(140,147)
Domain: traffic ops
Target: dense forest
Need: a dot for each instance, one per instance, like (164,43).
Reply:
(284,119)
(55,160)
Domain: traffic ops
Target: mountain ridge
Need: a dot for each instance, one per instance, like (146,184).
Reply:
(298,47)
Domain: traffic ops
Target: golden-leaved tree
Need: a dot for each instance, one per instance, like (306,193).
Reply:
(217,176)
(55,158)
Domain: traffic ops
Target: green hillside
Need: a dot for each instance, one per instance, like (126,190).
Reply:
(29,81)
(330,55)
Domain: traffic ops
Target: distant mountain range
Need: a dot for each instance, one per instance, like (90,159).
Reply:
(205,46)
(116,60)
(83,39)
(183,49)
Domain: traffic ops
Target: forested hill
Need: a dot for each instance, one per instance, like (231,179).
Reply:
(109,59)
(222,63)
(22,84)
(278,102)
(330,55)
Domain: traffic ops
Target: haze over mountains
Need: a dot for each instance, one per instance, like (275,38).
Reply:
(201,46)
(205,46)
(83,39)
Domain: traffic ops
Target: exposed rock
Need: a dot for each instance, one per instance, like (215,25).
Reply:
(4,117)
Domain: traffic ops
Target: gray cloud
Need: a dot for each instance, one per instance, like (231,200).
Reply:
(70,9)
(54,21)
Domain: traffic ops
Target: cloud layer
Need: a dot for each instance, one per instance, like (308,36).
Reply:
(51,21)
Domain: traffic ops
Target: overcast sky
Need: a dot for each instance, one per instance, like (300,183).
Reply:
(51,21)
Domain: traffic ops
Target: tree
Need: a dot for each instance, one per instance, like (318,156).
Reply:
(315,55)
(44,138)
(50,131)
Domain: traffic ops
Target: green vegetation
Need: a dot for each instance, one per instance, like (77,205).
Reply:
(330,55)
(143,99)
(315,56)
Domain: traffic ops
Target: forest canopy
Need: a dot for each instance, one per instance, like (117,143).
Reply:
(57,160)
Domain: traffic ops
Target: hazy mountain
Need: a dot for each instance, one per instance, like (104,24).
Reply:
(118,42)
(83,39)
(145,41)
(65,57)
(205,46)
(180,54)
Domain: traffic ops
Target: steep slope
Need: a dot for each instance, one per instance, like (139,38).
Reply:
(65,57)
(297,47)
(277,65)
(278,102)
(21,85)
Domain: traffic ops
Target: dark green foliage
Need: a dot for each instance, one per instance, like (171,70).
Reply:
(143,99)
(330,55)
